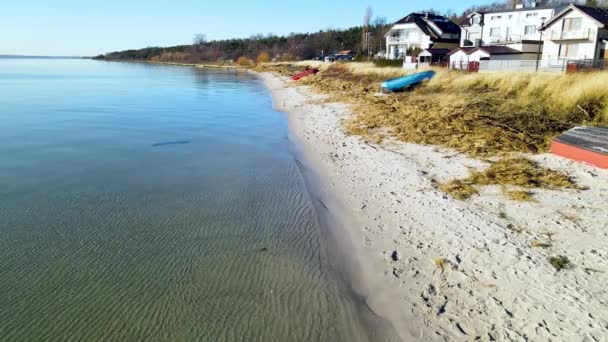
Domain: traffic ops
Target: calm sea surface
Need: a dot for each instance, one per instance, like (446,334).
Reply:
(146,202)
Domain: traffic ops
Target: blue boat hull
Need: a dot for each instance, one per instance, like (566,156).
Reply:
(407,81)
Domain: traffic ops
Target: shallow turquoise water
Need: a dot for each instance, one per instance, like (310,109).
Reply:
(145,202)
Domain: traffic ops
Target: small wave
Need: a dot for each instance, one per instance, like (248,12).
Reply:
(165,143)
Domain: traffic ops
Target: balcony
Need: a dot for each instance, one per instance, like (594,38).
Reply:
(569,35)
(405,40)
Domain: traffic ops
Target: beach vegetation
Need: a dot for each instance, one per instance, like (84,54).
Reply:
(490,116)
(441,263)
(263,57)
(480,115)
(384,63)
(519,172)
(560,262)
(477,114)
(538,244)
(515,228)
(520,195)
(244,61)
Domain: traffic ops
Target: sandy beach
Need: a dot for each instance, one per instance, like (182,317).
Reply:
(441,269)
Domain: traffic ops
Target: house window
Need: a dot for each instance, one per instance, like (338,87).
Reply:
(496,17)
(572,24)
(495,32)
(510,16)
(530,30)
(476,20)
(568,50)
(533,14)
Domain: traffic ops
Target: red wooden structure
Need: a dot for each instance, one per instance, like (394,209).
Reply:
(584,144)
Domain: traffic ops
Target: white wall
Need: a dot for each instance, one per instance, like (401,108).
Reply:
(472,32)
(512,26)
(478,55)
(515,57)
(415,38)
(459,56)
(459,60)
(586,48)
(530,48)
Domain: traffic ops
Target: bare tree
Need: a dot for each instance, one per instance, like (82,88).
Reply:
(200,39)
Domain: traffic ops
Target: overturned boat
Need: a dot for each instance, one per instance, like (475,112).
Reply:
(305,73)
(408,81)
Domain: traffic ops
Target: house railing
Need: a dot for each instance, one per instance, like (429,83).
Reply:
(404,40)
(583,65)
(554,65)
(511,38)
(570,35)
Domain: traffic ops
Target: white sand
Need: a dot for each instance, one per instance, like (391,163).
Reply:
(495,285)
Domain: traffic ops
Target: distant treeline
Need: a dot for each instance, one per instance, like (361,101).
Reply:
(365,40)
(291,47)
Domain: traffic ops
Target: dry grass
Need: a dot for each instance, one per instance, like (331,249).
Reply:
(458,189)
(441,263)
(520,195)
(478,114)
(538,244)
(518,172)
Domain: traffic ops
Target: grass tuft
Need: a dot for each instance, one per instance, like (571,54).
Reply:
(538,244)
(442,263)
(520,172)
(560,263)
(520,195)
(458,189)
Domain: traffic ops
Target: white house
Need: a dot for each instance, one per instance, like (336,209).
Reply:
(461,57)
(419,31)
(433,57)
(575,33)
(519,25)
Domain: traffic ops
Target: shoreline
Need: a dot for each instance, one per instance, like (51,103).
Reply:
(196,65)
(349,259)
(464,269)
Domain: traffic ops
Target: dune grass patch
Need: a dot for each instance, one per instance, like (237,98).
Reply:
(520,195)
(509,172)
(480,115)
(477,114)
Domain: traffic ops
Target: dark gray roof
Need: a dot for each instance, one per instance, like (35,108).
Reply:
(438,52)
(463,49)
(598,14)
(498,50)
(442,22)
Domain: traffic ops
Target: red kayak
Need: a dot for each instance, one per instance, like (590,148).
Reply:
(305,73)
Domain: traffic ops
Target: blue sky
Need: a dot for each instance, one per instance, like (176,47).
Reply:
(85,28)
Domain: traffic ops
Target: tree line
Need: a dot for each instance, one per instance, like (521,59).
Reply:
(291,47)
(366,40)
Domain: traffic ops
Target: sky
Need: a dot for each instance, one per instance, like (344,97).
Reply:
(88,28)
